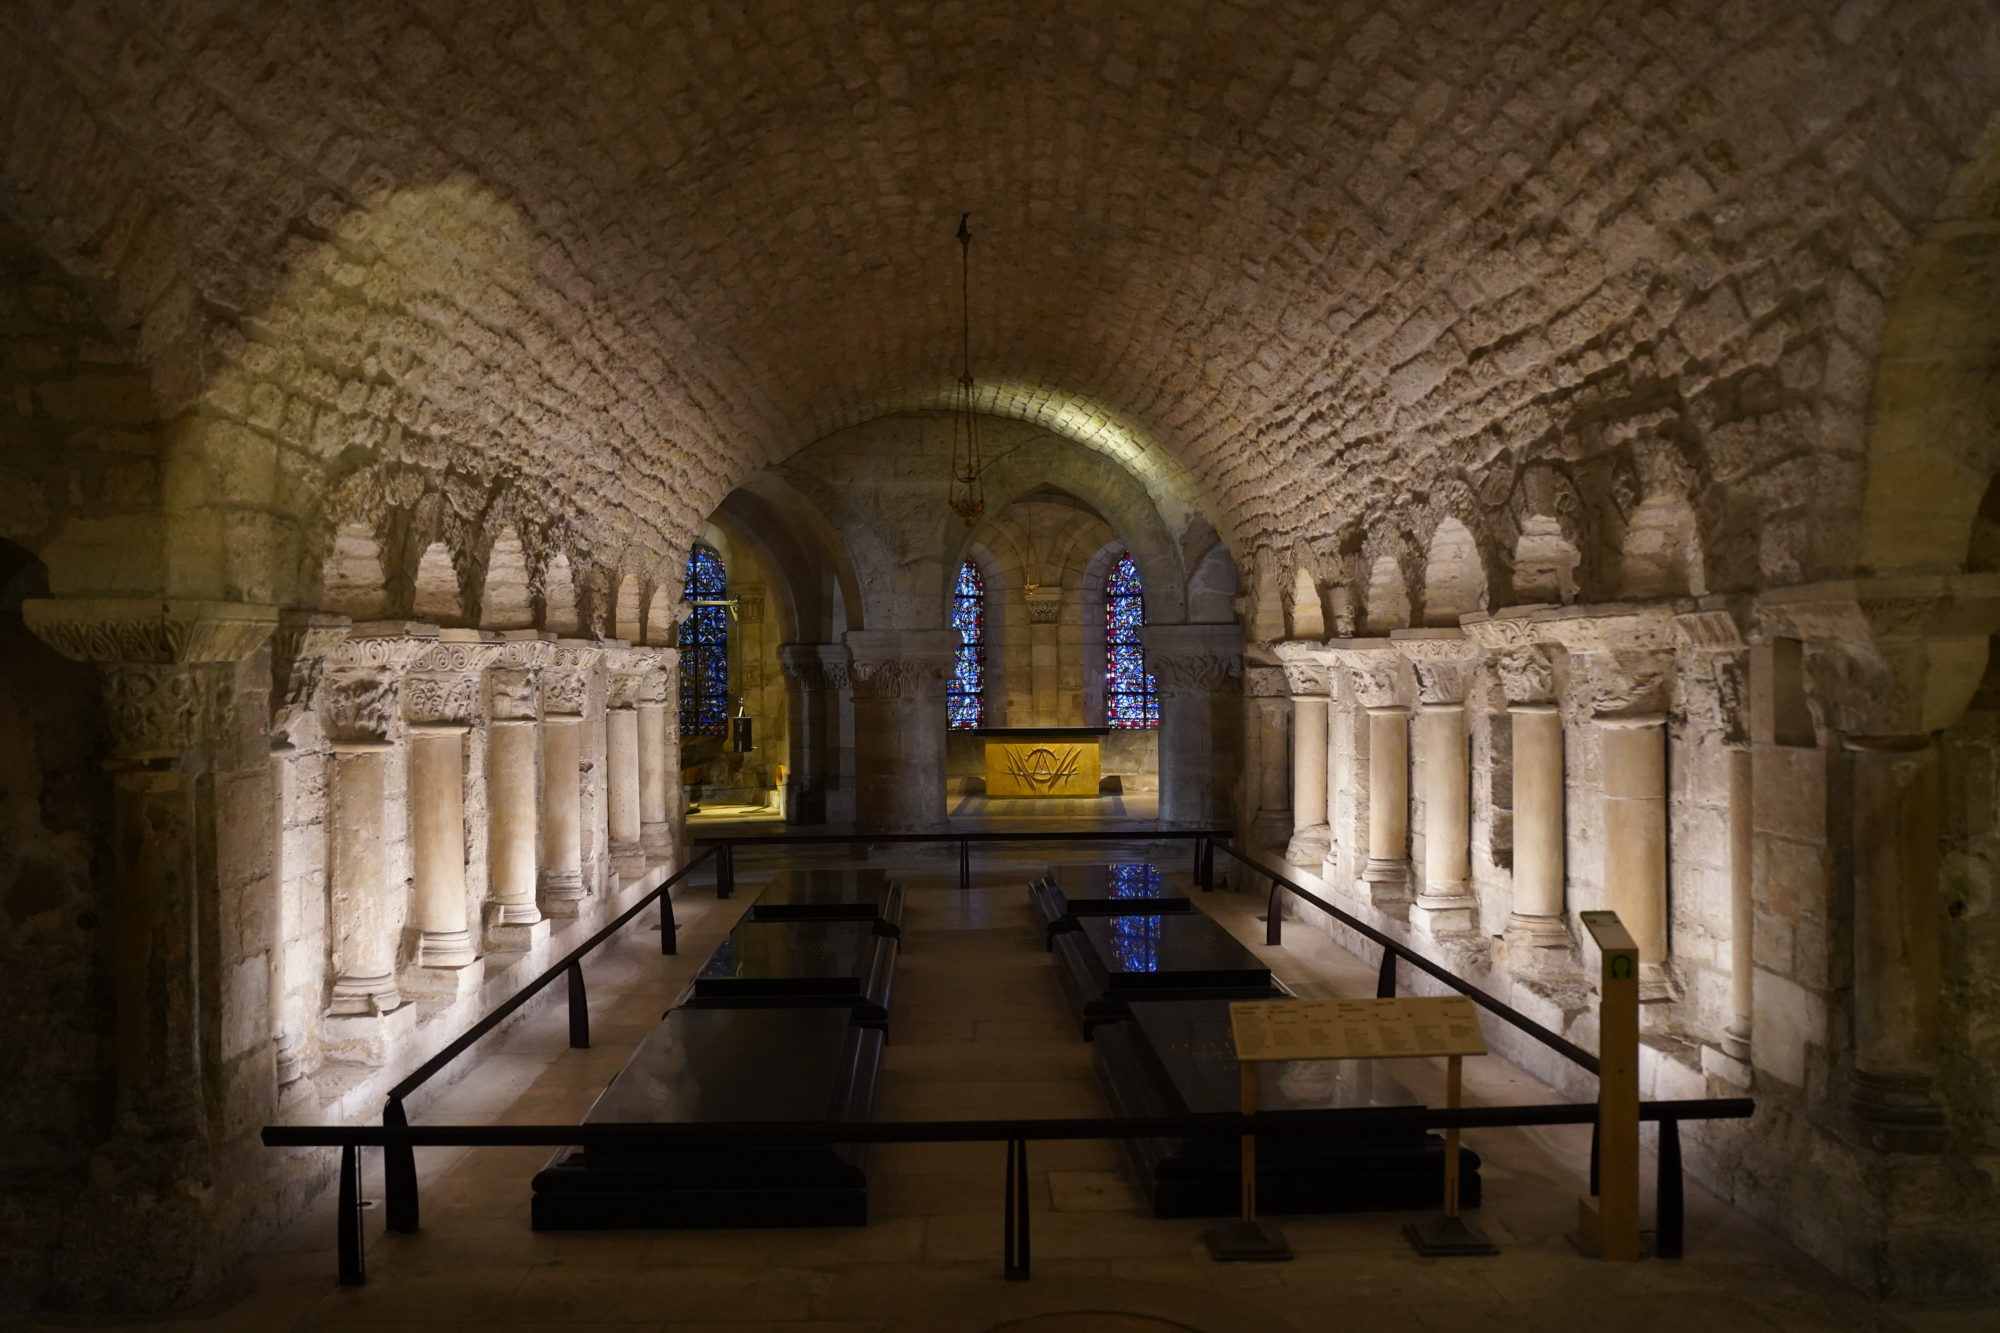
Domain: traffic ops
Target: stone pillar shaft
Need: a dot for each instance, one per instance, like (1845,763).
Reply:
(621,745)
(653,809)
(899,728)
(364,928)
(1447,813)
(1634,755)
(1388,796)
(1742,905)
(512,824)
(1308,764)
(562,814)
(1897,966)
(437,830)
(1539,904)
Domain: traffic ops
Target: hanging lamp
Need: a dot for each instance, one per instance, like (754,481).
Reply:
(968,491)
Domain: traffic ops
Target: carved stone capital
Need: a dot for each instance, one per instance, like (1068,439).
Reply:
(135,629)
(814,666)
(626,670)
(1189,661)
(1044,605)
(899,678)
(513,681)
(566,680)
(1625,684)
(1266,682)
(1305,668)
(1526,675)
(1890,656)
(159,711)
(359,700)
(1375,669)
(444,684)
(299,650)
(1442,660)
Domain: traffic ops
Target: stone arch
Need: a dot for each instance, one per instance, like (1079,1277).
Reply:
(435,595)
(1545,562)
(1385,604)
(506,601)
(626,610)
(1661,553)
(1212,588)
(662,625)
(1305,617)
(559,600)
(1454,575)
(352,578)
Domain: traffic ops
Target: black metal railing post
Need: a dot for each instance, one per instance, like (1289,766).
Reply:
(1595,1126)
(725,870)
(1385,979)
(1199,843)
(347,1223)
(399,1174)
(1670,1204)
(579,1010)
(1208,864)
(964,863)
(1014,1247)
(1274,915)
(670,926)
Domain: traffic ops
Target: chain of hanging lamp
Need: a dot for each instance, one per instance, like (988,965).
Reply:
(968,491)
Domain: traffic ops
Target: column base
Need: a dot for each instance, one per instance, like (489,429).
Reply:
(563,895)
(628,859)
(1438,914)
(1383,870)
(514,914)
(447,983)
(1656,984)
(362,997)
(1538,946)
(1736,1040)
(1308,846)
(1386,884)
(1897,1112)
(445,948)
(517,937)
(656,840)
(368,1039)
(290,1058)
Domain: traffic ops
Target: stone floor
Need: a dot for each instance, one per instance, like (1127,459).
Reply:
(979,1028)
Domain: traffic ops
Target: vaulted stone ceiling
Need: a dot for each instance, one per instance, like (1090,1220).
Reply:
(1330,271)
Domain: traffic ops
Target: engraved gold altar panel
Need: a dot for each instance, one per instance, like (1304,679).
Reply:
(1043,767)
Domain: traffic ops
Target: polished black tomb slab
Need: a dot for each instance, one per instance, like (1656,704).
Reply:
(832,895)
(1177,1059)
(706,1066)
(1122,888)
(1109,962)
(841,964)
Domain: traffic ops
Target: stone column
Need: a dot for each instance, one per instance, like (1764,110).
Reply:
(1199,670)
(358,710)
(441,697)
(816,672)
(659,769)
(514,921)
(1264,804)
(1341,843)
(899,728)
(1441,659)
(298,656)
(1897,973)
(1632,748)
(170,672)
(1742,904)
(1377,674)
(1538,938)
(565,696)
(1305,681)
(621,759)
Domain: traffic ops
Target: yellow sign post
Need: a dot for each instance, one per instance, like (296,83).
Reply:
(1608,1225)
(1266,1031)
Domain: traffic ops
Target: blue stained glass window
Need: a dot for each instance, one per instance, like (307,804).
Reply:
(965,698)
(704,645)
(1131,697)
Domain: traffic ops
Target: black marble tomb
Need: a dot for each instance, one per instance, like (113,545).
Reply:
(832,895)
(720,1065)
(1068,892)
(1177,1059)
(1109,962)
(841,964)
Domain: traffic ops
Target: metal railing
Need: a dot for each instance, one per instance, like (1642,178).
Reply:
(399,1139)
(1016,1134)
(726,844)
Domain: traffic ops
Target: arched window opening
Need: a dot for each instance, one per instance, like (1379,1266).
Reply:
(965,699)
(1131,697)
(704,645)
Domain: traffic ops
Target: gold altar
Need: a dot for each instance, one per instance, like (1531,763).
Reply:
(1043,761)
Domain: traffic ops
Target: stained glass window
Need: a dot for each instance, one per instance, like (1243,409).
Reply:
(704,645)
(1131,698)
(965,699)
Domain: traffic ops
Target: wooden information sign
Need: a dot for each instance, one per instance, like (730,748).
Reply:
(1265,1031)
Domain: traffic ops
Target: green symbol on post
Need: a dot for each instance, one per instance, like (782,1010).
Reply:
(1621,966)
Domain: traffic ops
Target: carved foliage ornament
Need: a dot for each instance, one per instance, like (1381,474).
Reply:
(1185,674)
(160,711)
(898,678)
(1526,675)
(1627,683)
